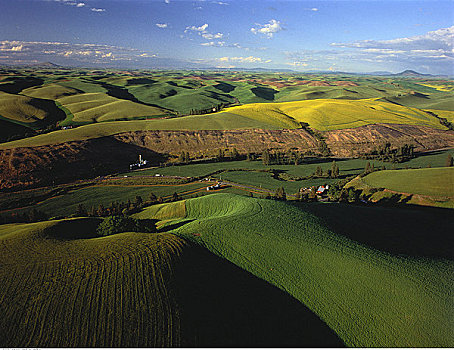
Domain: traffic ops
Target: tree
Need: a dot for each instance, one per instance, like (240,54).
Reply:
(368,168)
(81,211)
(266,157)
(319,171)
(175,197)
(181,157)
(449,160)
(312,196)
(139,201)
(280,194)
(220,155)
(235,154)
(352,195)
(101,210)
(334,170)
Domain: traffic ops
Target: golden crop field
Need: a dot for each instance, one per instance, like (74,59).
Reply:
(332,114)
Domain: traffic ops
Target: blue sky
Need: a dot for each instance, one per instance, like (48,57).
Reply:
(354,36)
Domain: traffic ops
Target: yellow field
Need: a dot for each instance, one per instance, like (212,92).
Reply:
(18,108)
(101,107)
(322,114)
(439,87)
(331,114)
(449,115)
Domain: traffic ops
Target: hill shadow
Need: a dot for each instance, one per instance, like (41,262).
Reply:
(411,230)
(264,92)
(20,83)
(223,305)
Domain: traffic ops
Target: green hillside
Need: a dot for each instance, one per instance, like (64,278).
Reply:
(198,122)
(429,182)
(64,287)
(423,187)
(368,297)
(98,107)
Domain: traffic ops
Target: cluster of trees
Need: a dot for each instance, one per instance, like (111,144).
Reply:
(233,154)
(288,157)
(184,157)
(114,209)
(332,173)
(33,215)
(207,110)
(117,224)
(396,155)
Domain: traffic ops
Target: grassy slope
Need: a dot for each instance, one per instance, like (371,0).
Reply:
(62,288)
(369,298)
(433,100)
(203,122)
(437,182)
(94,196)
(49,91)
(326,114)
(74,292)
(99,107)
(19,109)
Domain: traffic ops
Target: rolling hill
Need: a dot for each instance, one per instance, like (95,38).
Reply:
(429,186)
(368,297)
(62,286)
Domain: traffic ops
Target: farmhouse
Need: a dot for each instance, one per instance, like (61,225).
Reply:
(322,189)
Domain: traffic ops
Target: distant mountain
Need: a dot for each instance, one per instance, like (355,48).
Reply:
(49,65)
(411,73)
(255,69)
(380,72)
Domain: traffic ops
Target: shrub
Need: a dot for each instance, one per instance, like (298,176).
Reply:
(116,224)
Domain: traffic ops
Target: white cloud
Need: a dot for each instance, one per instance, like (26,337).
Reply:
(162,25)
(201,29)
(297,64)
(439,39)
(212,36)
(314,9)
(71,3)
(27,51)
(220,3)
(249,59)
(273,26)
(167,1)
(94,9)
(212,43)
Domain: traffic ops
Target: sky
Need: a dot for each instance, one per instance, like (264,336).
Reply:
(351,36)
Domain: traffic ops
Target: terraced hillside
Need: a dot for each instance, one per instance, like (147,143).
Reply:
(368,297)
